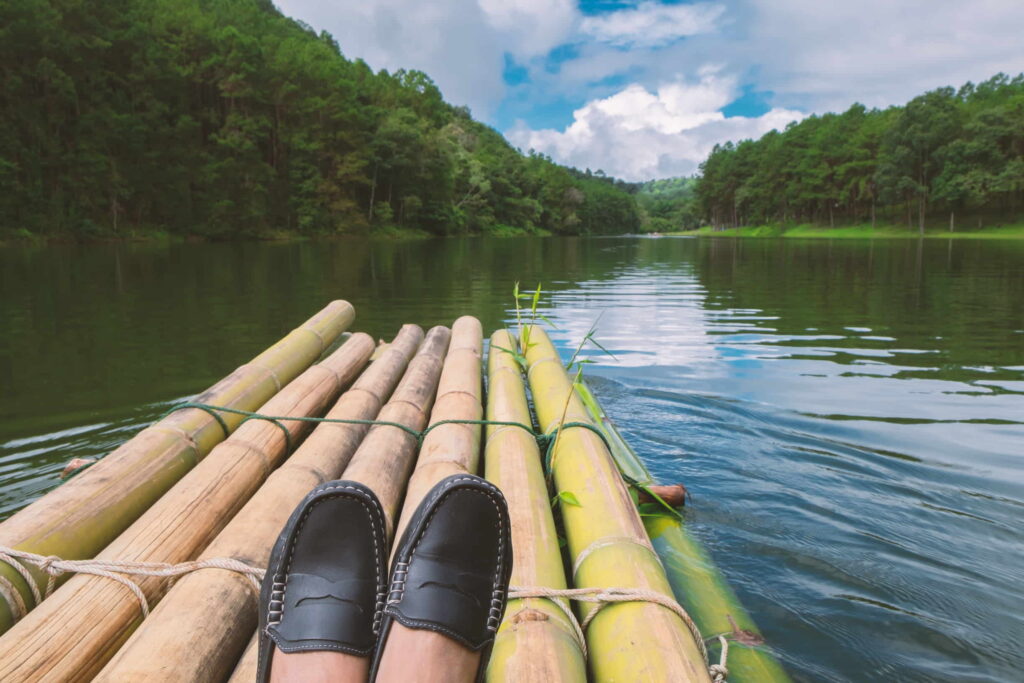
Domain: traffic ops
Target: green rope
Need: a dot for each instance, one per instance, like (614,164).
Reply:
(212,411)
(551,438)
(545,441)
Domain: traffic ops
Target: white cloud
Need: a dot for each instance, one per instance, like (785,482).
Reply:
(651,23)
(879,52)
(637,134)
(532,27)
(461,44)
(812,56)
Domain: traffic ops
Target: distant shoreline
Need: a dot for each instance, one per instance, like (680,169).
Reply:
(1015,231)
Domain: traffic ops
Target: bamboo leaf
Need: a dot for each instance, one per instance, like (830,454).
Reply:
(569,498)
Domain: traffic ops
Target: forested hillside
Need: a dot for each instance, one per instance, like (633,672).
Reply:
(669,204)
(223,118)
(953,158)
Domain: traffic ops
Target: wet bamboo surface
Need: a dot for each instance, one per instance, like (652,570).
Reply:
(451,448)
(536,641)
(76,630)
(202,625)
(631,641)
(81,517)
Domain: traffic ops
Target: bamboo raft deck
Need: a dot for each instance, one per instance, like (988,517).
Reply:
(214,487)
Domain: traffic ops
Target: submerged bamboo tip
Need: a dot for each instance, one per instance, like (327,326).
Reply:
(74,465)
(673,494)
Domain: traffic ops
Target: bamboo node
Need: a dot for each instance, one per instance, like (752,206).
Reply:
(602,597)
(606,542)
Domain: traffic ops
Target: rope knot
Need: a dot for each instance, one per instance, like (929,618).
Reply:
(718,673)
(50,565)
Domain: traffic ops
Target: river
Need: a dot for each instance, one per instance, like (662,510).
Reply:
(848,415)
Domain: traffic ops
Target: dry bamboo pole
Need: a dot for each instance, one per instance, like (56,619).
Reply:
(245,670)
(78,519)
(451,448)
(536,642)
(75,631)
(628,641)
(202,625)
(385,458)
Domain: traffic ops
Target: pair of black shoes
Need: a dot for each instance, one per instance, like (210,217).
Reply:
(328,588)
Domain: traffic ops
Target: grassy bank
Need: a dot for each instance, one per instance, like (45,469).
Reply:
(809,231)
(383,232)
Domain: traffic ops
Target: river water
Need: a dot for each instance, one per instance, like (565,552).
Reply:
(848,415)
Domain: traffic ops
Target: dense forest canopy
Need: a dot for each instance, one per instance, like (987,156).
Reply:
(945,157)
(224,118)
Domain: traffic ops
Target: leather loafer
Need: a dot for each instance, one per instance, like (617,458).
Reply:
(452,566)
(325,584)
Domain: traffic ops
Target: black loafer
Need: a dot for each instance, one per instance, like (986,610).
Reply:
(324,586)
(452,567)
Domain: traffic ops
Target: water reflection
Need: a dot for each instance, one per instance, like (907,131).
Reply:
(848,415)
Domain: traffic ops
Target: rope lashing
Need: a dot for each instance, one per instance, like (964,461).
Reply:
(602,597)
(113,570)
(116,569)
(545,441)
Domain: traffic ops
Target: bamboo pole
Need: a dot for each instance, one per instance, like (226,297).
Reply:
(536,642)
(697,582)
(78,519)
(245,670)
(628,641)
(385,458)
(202,625)
(451,448)
(74,632)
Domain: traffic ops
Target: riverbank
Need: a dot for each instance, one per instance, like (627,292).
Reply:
(809,231)
(156,236)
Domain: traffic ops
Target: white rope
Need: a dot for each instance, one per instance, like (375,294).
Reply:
(113,569)
(602,597)
(607,542)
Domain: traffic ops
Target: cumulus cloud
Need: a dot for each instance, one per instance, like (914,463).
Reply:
(879,52)
(461,44)
(637,134)
(531,27)
(651,24)
(810,56)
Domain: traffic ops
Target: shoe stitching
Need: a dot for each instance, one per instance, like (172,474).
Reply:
(375,515)
(497,593)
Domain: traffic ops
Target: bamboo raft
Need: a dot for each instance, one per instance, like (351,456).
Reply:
(213,489)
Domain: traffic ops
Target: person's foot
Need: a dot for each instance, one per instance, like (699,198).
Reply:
(324,586)
(452,567)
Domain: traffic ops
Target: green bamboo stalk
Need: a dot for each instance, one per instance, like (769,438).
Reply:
(697,582)
(628,641)
(81,517)
(536,641)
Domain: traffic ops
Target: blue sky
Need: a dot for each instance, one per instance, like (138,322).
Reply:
(644,88)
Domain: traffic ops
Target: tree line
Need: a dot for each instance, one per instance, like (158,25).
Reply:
(224,118)
(949,157)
